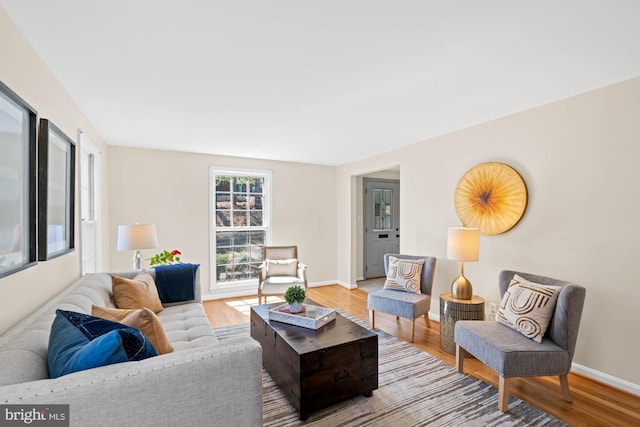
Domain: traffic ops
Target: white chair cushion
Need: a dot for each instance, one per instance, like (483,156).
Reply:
(404,274)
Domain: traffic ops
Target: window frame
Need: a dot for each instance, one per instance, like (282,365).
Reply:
(29,173)
(48,133)
(215,284)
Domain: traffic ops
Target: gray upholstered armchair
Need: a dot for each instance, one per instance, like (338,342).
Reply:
(409,305)
(511,354)
(280,269)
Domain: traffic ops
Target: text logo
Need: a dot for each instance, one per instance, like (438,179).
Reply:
(34,415)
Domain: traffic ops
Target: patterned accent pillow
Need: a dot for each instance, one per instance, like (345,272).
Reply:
(139,292)
(282,267)
(404,274)
(528,307)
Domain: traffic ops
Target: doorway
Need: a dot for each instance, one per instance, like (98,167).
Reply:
(381,212)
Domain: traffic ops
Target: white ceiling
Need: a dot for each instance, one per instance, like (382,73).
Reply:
(321,81)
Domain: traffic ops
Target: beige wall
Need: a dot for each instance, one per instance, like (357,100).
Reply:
(171,189)
(24,72)
(579,159)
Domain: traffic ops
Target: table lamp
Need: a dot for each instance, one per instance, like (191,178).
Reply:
(136,237)
(463,244)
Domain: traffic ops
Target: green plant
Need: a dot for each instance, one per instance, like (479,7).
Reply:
(295,294)
(165,257)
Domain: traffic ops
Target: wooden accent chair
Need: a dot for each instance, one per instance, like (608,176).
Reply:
(511,354)
(405,304)
(280,269)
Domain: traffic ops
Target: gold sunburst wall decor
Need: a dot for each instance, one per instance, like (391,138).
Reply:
(491,196)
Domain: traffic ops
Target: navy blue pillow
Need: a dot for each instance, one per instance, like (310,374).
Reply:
(79,341)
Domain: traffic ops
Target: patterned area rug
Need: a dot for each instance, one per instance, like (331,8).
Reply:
(414,389)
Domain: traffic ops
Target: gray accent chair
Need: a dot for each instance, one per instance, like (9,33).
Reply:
(405,304)
(269,284)
(511,354)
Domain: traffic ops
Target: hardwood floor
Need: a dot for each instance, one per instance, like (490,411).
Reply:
(594,403)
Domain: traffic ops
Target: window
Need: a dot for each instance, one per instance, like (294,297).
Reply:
(240,223)
(56,191)
(17,183)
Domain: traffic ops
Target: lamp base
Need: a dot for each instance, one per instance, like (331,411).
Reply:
(461,288)
(137,260)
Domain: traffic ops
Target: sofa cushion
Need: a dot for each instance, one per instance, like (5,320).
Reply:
(138,292)
(187,326)
(404,274)
(141,318)
(79,341)
(527,307)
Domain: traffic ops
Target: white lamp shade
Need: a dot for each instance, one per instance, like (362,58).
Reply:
(463,244)
(136,237)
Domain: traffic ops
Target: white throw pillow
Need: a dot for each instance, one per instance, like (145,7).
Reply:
(528,307)
(282,267)
(404,274)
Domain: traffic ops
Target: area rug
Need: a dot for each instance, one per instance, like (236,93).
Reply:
(414,389)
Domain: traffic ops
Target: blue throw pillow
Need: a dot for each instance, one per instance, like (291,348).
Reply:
(79,341)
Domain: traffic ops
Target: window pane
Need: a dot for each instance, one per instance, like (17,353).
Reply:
(57,235)
(239,219)
(223,201)
(17,211)
(223,239)
(256,218)
(223,183)
(240,202)
(382,208)
(258,238)
(223,218)
(240,238)
(257,202)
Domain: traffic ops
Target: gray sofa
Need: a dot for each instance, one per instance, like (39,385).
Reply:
(202,382)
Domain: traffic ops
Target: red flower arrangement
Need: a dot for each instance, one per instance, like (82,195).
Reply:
(165,257)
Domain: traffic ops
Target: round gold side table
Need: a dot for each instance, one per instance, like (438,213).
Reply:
(452,310)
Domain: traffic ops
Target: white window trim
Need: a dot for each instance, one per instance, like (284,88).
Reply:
(214,286)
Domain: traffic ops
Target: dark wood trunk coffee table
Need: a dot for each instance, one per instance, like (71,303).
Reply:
(317,368)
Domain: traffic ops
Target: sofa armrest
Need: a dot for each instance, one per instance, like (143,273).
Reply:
(220,384)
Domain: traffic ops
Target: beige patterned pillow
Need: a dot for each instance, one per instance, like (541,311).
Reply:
(527,307)
(404,274)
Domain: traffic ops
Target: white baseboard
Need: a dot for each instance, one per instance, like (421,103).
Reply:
(345,284)
(606,378)
(318,284)
(359,278)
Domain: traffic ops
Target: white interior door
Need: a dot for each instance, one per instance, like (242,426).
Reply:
(90,227)
(381,223)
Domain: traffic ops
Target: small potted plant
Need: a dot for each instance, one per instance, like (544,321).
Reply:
(295,296)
